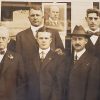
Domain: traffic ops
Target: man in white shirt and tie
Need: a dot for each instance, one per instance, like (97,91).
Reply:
(84,77)
(93,21)
(51,70)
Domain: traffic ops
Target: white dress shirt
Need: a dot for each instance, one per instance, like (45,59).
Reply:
(2,55)
(79,54)
(34,29)
(94,38)
(44,51)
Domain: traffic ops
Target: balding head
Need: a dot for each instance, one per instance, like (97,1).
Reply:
(4,37)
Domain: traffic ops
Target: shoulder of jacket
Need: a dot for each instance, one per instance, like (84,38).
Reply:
(23,32)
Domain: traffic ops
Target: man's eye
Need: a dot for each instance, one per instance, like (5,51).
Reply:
(3,38)
(37,15)
(40,38)
(90,18)
(95,18)
(32,15)
(80,38)
(46,38)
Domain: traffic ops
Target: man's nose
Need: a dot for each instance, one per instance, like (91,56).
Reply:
(43,39)
(35,16)
(93,20)
(77,41)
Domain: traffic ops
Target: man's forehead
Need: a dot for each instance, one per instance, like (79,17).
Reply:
(35,11)
(92,15)
(78,37)
(44,33)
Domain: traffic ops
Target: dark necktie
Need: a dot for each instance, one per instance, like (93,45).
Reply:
(75,59)
(93,33)
(2,52)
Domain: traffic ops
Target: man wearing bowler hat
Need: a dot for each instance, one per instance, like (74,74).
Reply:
(84,77)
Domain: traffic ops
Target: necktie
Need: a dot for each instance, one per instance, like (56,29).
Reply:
(2,52)
(75,59)
(42,56)
(93,33)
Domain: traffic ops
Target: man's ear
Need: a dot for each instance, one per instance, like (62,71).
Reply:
(86,40)
(86,18)
(51,39)
(9,40)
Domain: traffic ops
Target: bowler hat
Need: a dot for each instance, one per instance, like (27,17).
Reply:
(79,31)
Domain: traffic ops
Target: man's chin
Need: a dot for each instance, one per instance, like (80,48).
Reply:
(93,28)
(78,50)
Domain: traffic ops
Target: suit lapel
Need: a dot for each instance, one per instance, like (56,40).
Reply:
(8,58)
(47,59)
(81,61)
(91,44)
(37,62)
(98,42)
(31,38)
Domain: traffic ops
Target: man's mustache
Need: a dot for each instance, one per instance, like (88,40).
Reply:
(77,45)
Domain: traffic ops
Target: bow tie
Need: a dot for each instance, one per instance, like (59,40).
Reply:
(2,52)
(93,33)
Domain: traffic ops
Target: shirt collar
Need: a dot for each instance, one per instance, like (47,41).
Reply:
(45,51)
(97,30)
(4,50)
(80,53)
(34,29)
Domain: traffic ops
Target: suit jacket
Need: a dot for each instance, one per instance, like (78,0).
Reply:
(84,79)
(94,49)
(27,46)
(50,76)
(12,45)
(12,77)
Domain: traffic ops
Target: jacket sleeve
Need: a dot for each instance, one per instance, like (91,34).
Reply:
(21,82)
(59,80)
(93,88)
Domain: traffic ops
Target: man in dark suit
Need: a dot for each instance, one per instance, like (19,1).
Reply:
(93,20)
(84,77)
(12,80)
(50,67)
(26,43)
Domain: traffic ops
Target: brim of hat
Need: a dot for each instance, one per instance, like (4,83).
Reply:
(84,35)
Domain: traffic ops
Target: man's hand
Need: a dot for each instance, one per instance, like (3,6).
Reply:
(59,51)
